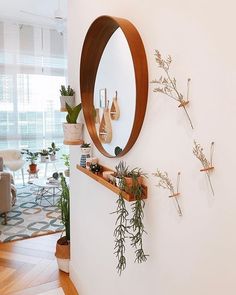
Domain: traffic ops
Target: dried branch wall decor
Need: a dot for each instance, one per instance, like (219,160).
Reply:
(168,85)
(165,182)
(206,164)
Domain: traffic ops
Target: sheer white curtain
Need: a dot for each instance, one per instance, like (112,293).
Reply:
(32,68)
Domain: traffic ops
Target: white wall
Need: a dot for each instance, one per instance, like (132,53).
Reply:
(194,254)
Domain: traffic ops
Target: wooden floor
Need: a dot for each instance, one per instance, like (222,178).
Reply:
(28,267)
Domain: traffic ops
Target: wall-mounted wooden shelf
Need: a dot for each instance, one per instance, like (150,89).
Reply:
(99,178)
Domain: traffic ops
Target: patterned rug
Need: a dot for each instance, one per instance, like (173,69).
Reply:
(30,218)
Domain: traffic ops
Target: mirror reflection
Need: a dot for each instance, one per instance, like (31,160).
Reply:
(115,94)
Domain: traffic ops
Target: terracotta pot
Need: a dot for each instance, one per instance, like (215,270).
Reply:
(63,254)
(70,100)
(33,168)
(129,183)
(73,133)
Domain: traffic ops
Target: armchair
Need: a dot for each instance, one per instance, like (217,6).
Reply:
(5,194)
(12,159)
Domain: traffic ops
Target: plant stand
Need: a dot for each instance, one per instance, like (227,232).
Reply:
(32,175)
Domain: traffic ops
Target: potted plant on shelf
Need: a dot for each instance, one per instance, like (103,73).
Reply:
(44,155)
(63,244)
(66,159)
(67,96)
(132,228)
(31,157)
(85,153)
(52,150)
(73,131)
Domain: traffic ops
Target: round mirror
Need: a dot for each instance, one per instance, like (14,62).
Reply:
(114,84)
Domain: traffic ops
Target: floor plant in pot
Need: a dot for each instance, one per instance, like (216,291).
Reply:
(67,96)
(73,131)
(31,157)
(63,244)
(66,158)
(129,228)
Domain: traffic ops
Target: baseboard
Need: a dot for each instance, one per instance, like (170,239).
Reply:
(74,277)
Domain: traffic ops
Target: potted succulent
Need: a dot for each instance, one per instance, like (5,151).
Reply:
(67,96)
(73,131)
(31,158)
(52,150)
(66,159)
(63,244)
(129,228)
(44,155)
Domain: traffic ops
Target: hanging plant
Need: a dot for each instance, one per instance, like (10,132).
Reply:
(168,85)
(132,228)
(206,164)
(165,182)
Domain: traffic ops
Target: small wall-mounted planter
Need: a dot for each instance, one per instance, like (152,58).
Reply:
(103,180)
(73,133)
(70,100)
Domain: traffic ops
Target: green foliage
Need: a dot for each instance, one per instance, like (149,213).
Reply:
(66,158)
(85,145)
(30,156)
(43,152)
(121,169)
(73,113)
(53,149)
(133,228)
(64,206)
(66,91)
(117,150)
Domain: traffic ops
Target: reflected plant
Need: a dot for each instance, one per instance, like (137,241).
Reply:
(168,85)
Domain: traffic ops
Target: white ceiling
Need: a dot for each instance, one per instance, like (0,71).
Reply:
(10,10)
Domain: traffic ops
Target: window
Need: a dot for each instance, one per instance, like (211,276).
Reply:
(32,68)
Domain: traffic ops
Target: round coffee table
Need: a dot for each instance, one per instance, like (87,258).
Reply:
(46,190)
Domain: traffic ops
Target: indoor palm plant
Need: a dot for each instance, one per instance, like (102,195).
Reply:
(73,131)
(67,96)
(63,244)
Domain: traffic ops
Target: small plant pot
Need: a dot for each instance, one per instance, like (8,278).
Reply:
(67,172)
(33,168)
(73,133)
(63,254)
(129,183)
(43,159)
(52,157)
(70,100)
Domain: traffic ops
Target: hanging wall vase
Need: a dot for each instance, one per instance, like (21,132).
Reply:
(105,129)
(115,110)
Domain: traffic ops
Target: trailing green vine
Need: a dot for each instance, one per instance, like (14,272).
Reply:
(136,222)
(129,228)
(120,233)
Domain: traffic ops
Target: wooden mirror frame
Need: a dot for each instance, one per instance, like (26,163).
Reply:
(95,42)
